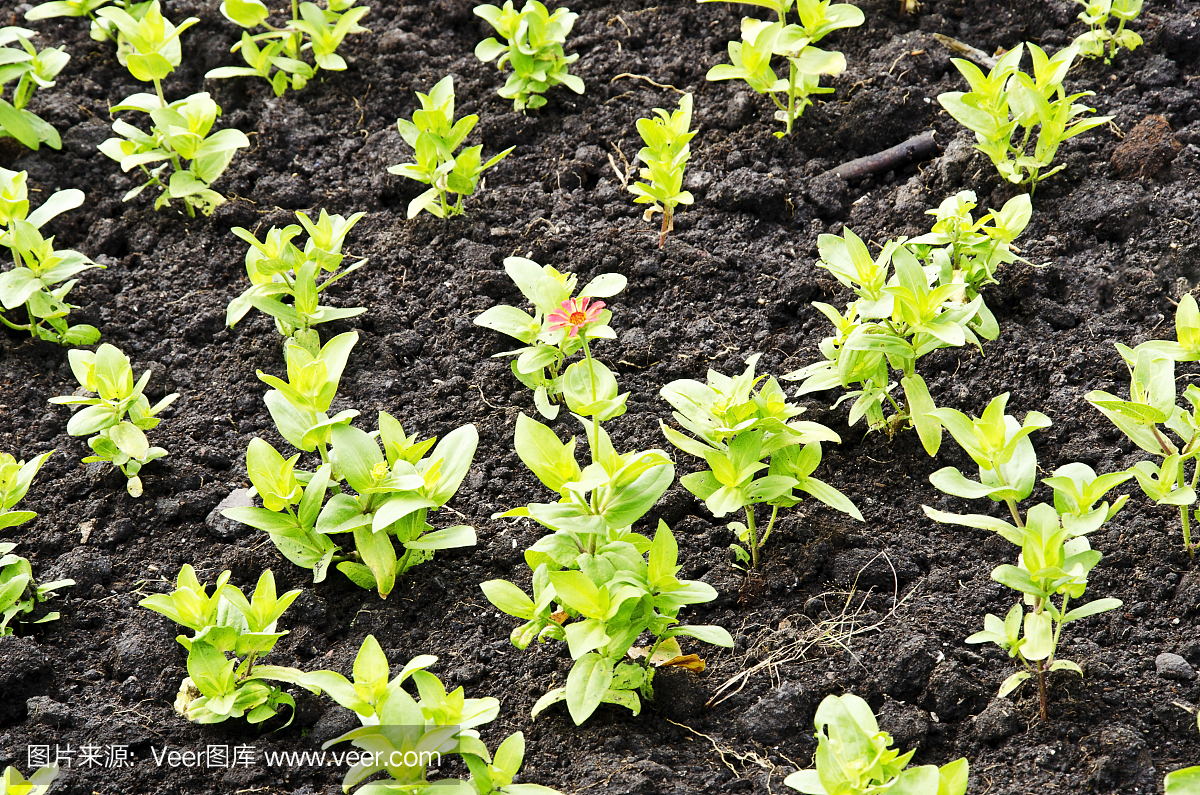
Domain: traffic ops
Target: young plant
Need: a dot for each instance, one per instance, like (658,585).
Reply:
(218,688)
(32,69)
(533,47)
(15,480)
(1152,403)
(300,404)
(406,735)
(121,442)
(1096,14)
(278,269)
(855,758)
(41,276)
(757,453)
(605,600)
(1055,553)
(280,58)
(916,297)
(180,130)
(558,329)
(750,59)
(1007,100)
(19,592)
(434,136)
(101,29)
(395,489)
(665,156)
(13,783)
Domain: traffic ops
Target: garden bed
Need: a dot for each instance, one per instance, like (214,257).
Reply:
(1120,244)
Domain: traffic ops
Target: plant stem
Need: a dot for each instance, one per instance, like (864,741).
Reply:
(587,354)
(770,524)
(1042,698)
(1187,531)
(1012,507)
(791,109)
(753,537)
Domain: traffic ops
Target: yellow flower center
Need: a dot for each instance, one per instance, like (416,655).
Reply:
(578,318)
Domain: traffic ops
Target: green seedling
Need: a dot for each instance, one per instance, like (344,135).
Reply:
(217,687)
(665,156)
(396,490)
(916,297)
(559,328)
(1007,101)
(532,47)
(606,599)
(1153,403)
(756,451)
(300,404)
(855,758)
(1056,556)
(1098,42)
(750,59)
(15,480)
(101,30)
(119,441)
(435,137)
(277,55)
(19,592)
(180,130)
(279,270)
(13,783)
(406,736)
(32,69)
(41,276)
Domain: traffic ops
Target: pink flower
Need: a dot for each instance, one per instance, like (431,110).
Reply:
(575,313)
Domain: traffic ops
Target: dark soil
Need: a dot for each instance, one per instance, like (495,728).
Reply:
(735,278)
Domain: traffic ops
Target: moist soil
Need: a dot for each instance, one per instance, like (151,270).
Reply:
(879,608)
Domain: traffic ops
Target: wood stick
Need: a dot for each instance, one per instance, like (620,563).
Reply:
(915,148)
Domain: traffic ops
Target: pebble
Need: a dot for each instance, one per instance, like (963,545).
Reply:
(1172,666)
(997,721)
(224,528)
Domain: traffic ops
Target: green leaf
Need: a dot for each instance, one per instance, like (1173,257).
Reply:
(586,685)
(920,405)
(508,598)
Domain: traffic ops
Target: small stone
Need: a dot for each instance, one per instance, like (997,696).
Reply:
(781,713)
(1172,666)
(222,527)
(908,724)
(47,711)
(999,720)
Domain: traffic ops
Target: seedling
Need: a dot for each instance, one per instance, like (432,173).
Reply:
(101,30)
(15,480)
(756,451)
(217,687)
(1096,14)
(559,328)
(180,130)
(533,47)
(914,298)
(13,783)
(435,136)
(41,276)
(750,59)
(1055,553)
(406,735)
(277,55)
(19,592)
(278,269)
(665,156)
(299,405)
(395,489)
(855,758)
(1006,99)
(32,69)
(605,602)
(119,441)
(1152,403)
